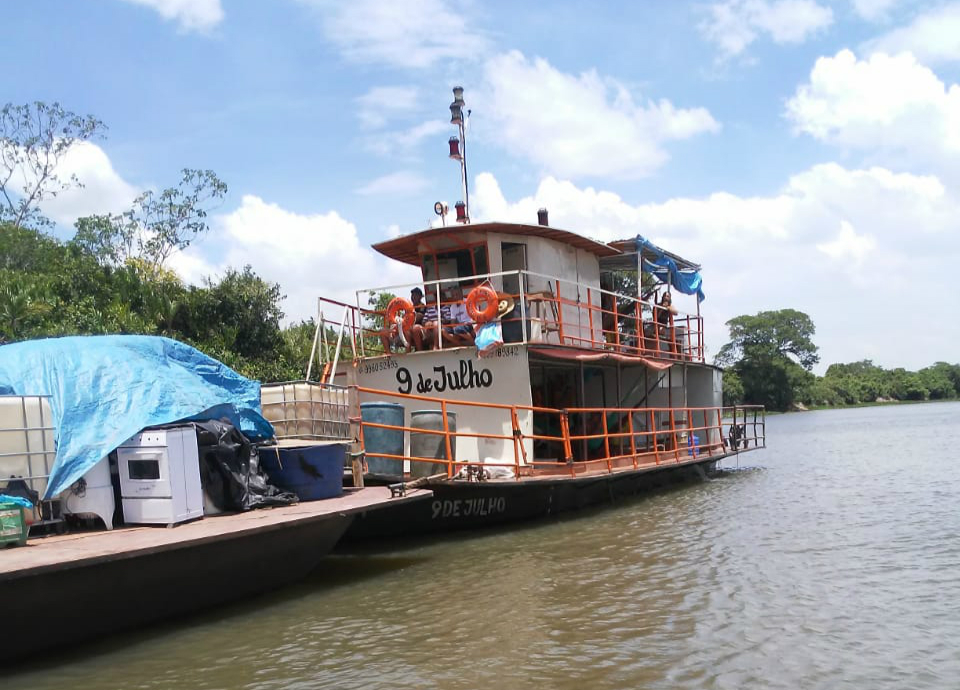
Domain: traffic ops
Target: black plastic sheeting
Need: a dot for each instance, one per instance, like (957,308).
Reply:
(230,470)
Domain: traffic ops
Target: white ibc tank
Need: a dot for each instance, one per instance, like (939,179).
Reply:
(27,447)
(306,410)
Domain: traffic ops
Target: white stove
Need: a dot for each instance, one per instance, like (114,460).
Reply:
(160,477)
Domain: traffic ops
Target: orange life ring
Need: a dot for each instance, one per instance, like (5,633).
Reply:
(398,304)
(486,296)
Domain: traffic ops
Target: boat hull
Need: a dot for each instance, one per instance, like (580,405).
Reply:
(462,505)
(69,589)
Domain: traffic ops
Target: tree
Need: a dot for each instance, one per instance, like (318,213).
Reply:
(732,387)
(34,138)
(156,225)
(241,313)
(772,353)
(784,333)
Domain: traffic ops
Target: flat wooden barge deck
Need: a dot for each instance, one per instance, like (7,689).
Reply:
(96,583)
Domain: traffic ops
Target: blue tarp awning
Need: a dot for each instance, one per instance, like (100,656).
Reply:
(665,268)
(105,389)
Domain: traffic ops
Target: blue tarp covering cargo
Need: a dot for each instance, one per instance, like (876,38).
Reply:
(104,389)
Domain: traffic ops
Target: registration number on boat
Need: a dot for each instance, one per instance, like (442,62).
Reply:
(469,507)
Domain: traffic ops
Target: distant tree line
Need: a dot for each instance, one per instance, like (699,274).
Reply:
(770,355)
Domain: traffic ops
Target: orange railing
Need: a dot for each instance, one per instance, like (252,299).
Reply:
(552,311)
(586,439)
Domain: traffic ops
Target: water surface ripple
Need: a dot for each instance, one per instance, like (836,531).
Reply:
(830,560)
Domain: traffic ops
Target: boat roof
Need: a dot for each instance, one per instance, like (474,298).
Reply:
(406,247)
(626,259)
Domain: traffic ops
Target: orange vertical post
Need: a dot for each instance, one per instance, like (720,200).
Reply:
(633,443)
(565,430)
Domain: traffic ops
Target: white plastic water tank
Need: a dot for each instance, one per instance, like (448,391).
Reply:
(306,410)
(92,495)
(27,446)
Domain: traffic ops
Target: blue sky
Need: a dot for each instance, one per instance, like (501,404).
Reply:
(804,151)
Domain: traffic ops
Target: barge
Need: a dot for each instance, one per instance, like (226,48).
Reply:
(68,589)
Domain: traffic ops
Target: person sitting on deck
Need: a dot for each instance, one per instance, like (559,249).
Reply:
(454,325)
(390,336)
(460,331)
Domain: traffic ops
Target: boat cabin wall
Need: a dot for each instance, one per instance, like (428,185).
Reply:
(458,374)
(549,257)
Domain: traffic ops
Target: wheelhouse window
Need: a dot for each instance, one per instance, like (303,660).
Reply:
(458,263)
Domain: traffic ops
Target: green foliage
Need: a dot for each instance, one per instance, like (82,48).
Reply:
(34,138)
(771,335)
(732,387)
(771,354)
(156,225)
(48,288)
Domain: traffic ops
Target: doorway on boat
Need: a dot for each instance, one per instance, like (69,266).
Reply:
(513,257)
(554,386)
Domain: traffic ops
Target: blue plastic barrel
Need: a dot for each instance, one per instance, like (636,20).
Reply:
(693,444)
(377,440)
(311,471)
(424,445)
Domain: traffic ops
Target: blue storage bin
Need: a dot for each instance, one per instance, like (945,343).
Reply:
(311,471)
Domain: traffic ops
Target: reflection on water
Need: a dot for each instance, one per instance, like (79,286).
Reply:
(829,560)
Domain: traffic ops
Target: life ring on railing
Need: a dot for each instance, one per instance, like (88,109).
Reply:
(398,304)
(486,296)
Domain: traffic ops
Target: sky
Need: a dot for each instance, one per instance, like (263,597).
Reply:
(805,152)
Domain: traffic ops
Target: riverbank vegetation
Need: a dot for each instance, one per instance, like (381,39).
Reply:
(770,355)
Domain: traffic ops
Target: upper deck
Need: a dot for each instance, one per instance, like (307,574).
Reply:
(566,290)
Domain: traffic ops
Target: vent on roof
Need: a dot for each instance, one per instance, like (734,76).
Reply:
(542,217)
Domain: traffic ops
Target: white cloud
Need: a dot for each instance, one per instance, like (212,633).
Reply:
(104,191)
(577,126)
(874,10)
(882,104)
(401,182)
(734,24)
(848,245)
(191,15)
(932,37)
(381,103)
(308,255)
(851,248)
(401,33)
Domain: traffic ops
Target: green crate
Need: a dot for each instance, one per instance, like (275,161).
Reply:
(13,526)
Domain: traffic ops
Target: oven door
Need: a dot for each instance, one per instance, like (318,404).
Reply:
(144,472)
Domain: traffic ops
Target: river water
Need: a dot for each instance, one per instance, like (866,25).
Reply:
(829,560)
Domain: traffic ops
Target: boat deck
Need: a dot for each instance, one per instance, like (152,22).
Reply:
(62,552)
